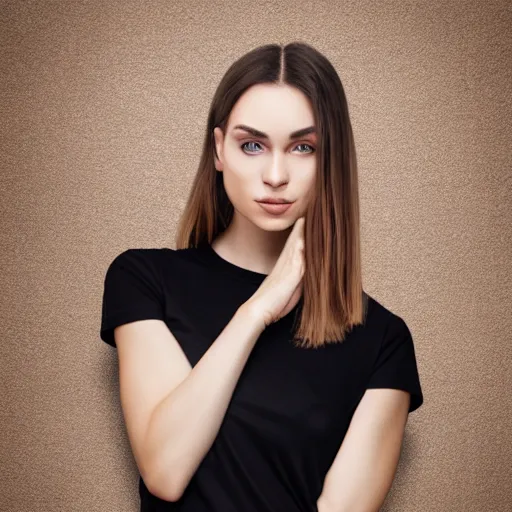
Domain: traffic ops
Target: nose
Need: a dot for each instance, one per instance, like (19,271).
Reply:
(275,174)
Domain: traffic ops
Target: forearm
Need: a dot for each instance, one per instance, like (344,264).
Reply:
(184,425)
(361,483)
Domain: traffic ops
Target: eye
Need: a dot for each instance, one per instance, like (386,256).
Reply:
(311,148)
(250,142)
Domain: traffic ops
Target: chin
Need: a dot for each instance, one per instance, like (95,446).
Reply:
(278,223)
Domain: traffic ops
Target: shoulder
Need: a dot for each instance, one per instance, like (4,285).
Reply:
(136,257)
(158,256)
(151,256)
(394,362)
(390,333)
(163,264)
(132,290)
(383,320)
(136,263)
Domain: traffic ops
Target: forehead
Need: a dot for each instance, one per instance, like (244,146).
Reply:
(273,109)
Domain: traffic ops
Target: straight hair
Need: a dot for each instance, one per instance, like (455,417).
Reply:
(333,300)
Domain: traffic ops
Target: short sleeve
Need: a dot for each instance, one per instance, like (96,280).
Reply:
(132,291)
(396,366)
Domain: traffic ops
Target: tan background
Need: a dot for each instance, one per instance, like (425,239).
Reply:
(103,106)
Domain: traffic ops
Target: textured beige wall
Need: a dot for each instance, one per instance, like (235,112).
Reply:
(103,106)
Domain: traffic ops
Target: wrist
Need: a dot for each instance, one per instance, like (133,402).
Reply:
(252,314)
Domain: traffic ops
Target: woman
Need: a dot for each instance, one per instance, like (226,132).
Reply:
(255,372)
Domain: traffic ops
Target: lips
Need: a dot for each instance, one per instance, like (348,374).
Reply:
(272,200)
(274,208)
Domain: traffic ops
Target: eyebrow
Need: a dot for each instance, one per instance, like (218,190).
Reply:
(256,133)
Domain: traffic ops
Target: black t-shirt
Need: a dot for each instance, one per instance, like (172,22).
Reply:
(291,407)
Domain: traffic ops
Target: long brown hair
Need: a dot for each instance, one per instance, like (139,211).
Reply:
(333,301)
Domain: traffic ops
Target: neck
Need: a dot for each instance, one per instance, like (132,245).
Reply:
(248,246)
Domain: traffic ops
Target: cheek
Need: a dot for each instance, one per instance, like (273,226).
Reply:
(238,188)
(239,177)
(306,179)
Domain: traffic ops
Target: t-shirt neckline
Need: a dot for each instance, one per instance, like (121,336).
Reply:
(226,266)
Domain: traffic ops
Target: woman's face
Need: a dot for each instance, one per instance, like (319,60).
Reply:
(269,164)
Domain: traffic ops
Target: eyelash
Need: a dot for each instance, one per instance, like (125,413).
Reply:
(301,144)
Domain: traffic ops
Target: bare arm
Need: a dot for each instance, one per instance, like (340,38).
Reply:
(183,426)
